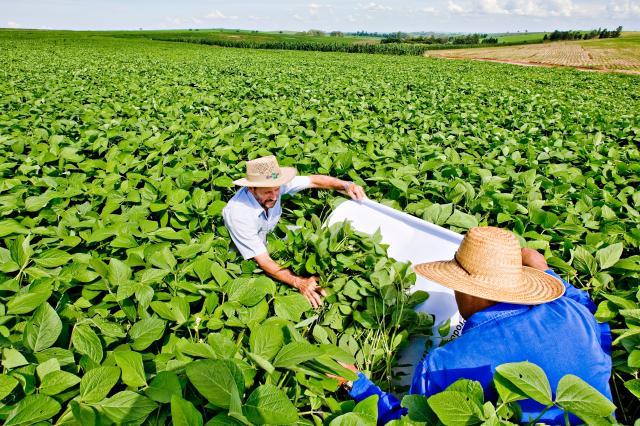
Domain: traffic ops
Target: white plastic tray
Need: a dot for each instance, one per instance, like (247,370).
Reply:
(410,240)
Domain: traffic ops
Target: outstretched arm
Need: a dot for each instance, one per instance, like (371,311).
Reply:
(307,286)
(355,191)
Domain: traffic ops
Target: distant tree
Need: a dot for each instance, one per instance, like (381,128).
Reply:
(336,34)
(316,33)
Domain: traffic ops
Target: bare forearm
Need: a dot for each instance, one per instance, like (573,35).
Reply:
(272,269)
(328,182)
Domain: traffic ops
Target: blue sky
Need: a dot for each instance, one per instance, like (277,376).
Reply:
(343,15)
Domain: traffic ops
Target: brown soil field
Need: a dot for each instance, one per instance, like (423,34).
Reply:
(618,55)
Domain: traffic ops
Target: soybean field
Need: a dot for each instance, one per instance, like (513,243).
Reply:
(122,300)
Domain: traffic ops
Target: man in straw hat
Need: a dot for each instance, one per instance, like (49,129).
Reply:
(254,211)
(516,309)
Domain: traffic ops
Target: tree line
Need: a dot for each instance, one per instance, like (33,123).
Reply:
(583,35)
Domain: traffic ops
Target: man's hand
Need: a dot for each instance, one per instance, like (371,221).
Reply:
(533,259)
(310,289)
(356,192)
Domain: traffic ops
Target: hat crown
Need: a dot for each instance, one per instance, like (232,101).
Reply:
(492,253)
(263,168)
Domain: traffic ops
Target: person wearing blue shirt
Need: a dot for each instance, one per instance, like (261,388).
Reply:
(516,309)
(255,210)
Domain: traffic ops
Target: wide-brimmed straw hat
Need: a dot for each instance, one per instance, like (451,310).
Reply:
(265,172)
(488,264)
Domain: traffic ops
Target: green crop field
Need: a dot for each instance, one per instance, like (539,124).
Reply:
(121,300)
(521,38)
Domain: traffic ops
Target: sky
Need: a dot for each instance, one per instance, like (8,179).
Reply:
(328,15)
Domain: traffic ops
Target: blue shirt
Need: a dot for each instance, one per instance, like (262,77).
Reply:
(249,224)
(562,337)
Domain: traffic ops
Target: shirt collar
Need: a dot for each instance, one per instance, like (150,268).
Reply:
(493,313)
(253,203)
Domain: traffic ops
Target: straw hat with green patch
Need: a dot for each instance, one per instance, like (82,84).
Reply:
(488,264)
(264,172)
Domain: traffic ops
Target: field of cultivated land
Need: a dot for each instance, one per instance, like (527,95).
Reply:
(618,54)
(121,302)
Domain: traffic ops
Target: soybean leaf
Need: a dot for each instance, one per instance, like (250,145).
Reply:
(215,379)
(163,387)
(609,256)
(294,353)
(97,383)
(32,409)
(183,413)
(58,381)
(7,384)
(266,340)
(43,329)
(418,409)
(132,368)
(580,398)
(269,405)
(127,407)
(87,342)
(145,332)
(291,307)
(529,379)
(455,408)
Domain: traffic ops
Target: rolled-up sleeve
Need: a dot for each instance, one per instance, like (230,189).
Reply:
(244,234)
(296,185)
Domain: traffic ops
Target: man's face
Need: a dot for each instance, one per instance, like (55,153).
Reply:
(266,197)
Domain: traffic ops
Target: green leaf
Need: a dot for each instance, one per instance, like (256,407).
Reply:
(266,340)
(215,379)
(32,409)
(43,329)
(368,408)
(47,367)
(87,342)
(291,307)
(132,368)
(127,407)
(633,386)
(163,386)
(269,405)
(249,292)
(609,256)
(97,383)
(455,408)
(52,258)
(11,358)
(580,398)
(118,272)
(529,379)
(295,353)
(58,381)
(462,220)
(27,302)
(7,384)
(145,332)
(352,419)
(418,409)
(183,413)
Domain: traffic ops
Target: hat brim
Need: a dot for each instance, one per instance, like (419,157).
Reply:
(286,174)
(534,287)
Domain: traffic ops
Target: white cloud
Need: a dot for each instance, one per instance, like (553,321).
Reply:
(624,8)
(13,24)
(372,7)
(429,10)
(456,8)
(215,14)
(532,8)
